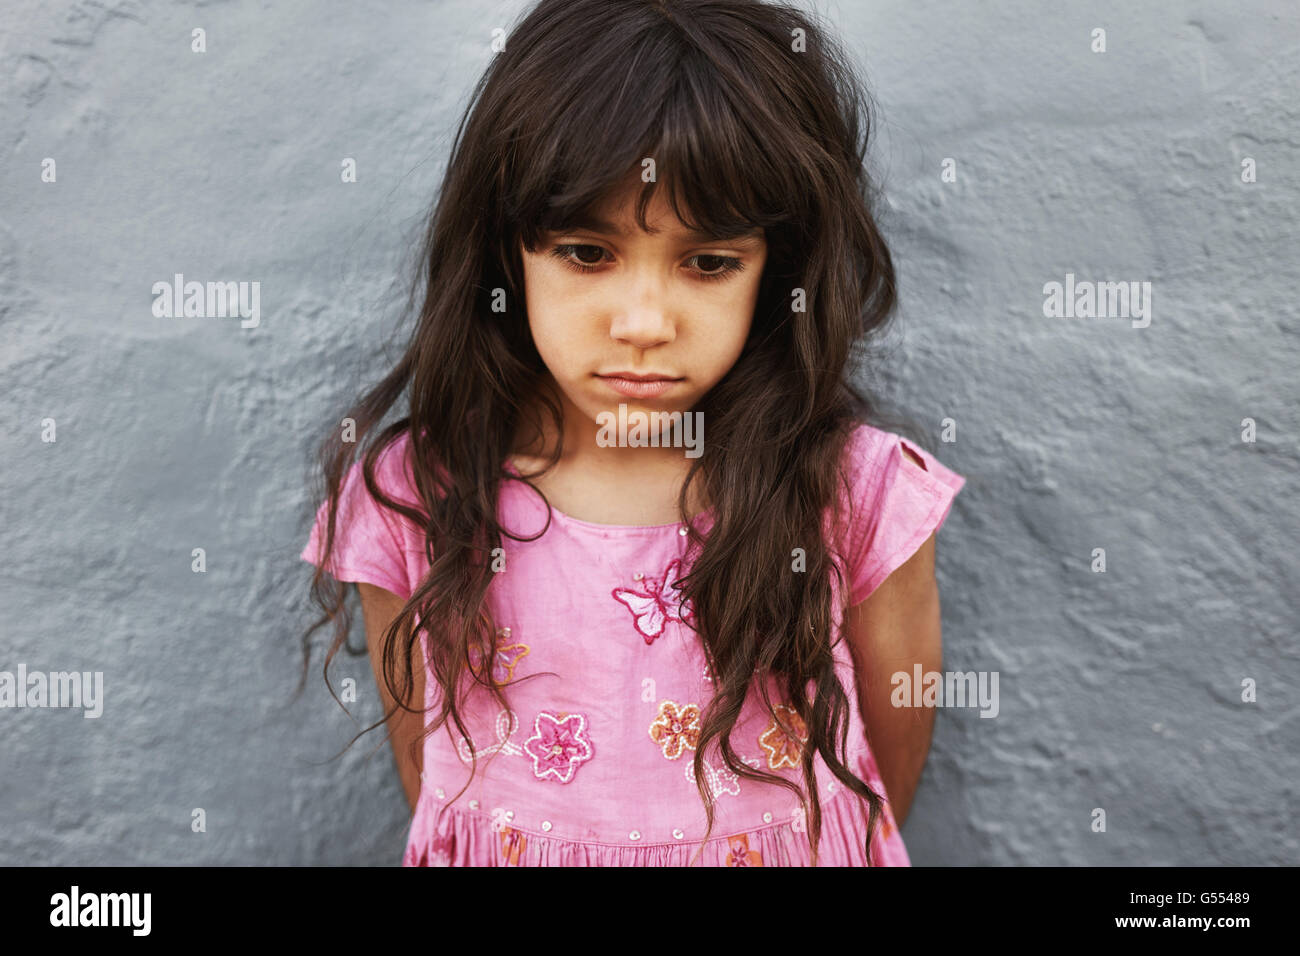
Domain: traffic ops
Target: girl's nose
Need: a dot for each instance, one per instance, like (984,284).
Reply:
(643,318)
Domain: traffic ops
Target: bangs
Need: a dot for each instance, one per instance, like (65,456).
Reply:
(700,115)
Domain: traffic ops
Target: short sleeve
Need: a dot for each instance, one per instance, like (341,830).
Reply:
(896,505)
(371,543)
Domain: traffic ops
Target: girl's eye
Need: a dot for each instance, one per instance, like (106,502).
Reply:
(709,267)
(562,251)
(718,267)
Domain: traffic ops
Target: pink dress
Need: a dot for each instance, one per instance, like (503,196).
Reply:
(591,763)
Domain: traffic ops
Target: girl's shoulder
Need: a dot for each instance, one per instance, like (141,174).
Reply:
(894,496)
(872,454)
(393,474)
(372,542)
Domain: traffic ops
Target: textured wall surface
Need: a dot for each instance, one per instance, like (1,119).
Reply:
(1123,689)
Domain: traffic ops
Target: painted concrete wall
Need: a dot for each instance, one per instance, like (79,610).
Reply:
(1119,690)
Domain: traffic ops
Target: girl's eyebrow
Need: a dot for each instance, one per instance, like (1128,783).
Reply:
(605,227)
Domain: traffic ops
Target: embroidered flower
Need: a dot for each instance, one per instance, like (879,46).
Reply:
(784,738)
(558,744)
(886,825)
(513,844)
(676,728)
(503,661)
(739,853)
(436,852)
(656,605)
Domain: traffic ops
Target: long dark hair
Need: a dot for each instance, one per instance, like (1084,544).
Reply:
(753,117)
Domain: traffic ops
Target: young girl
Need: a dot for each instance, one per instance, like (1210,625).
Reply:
(644,653)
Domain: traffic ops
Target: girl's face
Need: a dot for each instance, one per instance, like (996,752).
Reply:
(611,298)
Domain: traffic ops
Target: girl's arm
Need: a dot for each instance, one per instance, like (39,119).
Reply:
(894,628)
(380,606)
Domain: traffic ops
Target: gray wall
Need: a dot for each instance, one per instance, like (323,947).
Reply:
(1119,690)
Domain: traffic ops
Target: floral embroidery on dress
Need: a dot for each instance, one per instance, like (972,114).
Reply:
(513,844)
(436,852)
(739,853)
(504,661)
(886,825)
(658,604)
(676,728)
(721,779)
(507,724)
(558,745)
(784,738)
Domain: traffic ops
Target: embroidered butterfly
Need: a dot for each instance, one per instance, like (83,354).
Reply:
(504,661)
(721,779)
(506,725)
(656,605)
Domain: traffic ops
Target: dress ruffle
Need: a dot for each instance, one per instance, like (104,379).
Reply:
(458,836)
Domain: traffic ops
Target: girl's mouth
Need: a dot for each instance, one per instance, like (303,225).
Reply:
(633,388)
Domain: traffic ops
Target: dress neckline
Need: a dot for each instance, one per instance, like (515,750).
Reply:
(595,526)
